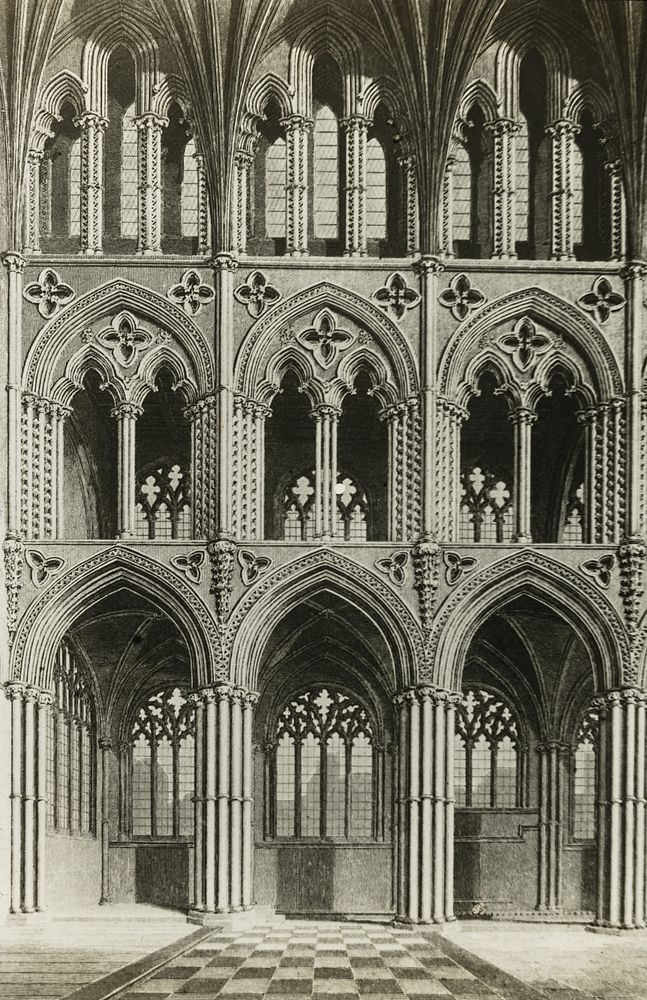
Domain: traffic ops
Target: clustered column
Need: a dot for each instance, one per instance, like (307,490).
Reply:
(92,129)
(604,460)
(356,130)
(31,238)
(126,414)
(223,800)
(248,468)
(29,708)
(504,130)
(202,418)
(43,467)
(618,209)
(296,203)
(448,208)
(522,420)
(563,134)
(403,427)
(410,202)
(622,888)
(149,127)
(450,417)
(204,225)
(424,799)
(242,163)
(553,769)
(326,418)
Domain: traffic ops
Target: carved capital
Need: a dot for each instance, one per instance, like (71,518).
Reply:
(13,261)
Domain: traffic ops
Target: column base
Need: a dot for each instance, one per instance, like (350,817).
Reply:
(28,919)
(239,920)
(615,931)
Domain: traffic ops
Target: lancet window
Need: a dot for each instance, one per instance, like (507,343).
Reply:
(322,769)
(163,501)
(60,182)
(71,751)
(486,507)
(584,776)
(487,757)
(162,739)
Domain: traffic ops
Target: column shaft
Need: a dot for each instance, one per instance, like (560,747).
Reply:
(223,800)
(522,420)
(126,414)
(29,804)
(149,229)
(355,129)
(504,184)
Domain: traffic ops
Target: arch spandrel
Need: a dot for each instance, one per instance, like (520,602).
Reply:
(527,573)
(569,333)
(263,341)
(268,602)
(54,612)
(56,343)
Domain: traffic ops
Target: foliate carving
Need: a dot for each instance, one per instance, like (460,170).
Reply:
(601,301)
(125,339)
(631,559)
(394,566)
(461,297)
(42,567)
(525,344)
(600,569)
(190,565)
(191,293)
(13,553)
(221,555)
(456,565)
(49,293)
(325,339)
(256,294)
(396,296)
(426,573)
(252,566)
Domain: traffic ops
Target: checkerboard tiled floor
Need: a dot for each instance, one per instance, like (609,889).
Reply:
(303,959)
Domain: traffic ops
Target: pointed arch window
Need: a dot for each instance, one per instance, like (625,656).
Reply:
(322,769)
(71,748)
(163,501)
(376,193)
(583,793)
(162,740)
(326,174)
(189,191)
(129,174)
(60,182)
(75,188)
(488,761)
(486,513)
(275,167)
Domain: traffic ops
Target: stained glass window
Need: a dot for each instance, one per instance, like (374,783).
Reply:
(487,758)
(323,768)
(71,755)
(584,776)
(162,741)
(486,507)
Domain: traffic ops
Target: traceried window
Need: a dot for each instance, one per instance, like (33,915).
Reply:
(486,507)
(299,509)
(322,769)
(189,191)
(487,757)
(71,754)
(162,739)
(326,174)
(584,777)
(129,174)
(163,501)
(573,533)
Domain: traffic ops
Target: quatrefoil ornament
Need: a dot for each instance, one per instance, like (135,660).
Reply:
(461,297)
(252,566)
(525,344)
(49,293)
(191,564)
(325,339)
(600,569)
(125,339)
(601,300)
(191,293)
(396,296)
(256,294)
(42,567)
(394,566)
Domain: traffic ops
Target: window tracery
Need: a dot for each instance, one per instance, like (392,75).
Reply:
(163,499)
(71,752)
(585,776)
(487,756)
(573,533)
(323,768)
(162,739)
(486,513)
(298,509)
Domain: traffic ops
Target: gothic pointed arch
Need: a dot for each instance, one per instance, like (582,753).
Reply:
(273,597)
(264,336)
(87,583)
(266,88)
(55,339)
(126,29)
(537,576)
(571,331)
